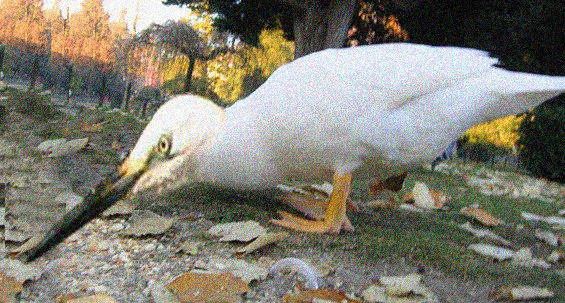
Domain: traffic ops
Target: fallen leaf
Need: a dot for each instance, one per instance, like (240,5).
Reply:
(375,294)
(481,215)
(60,147)
(190,247)
(319,295)
(120,208)
(425,198)
(393,183)
(524,257)
(9,288)
(144,222)
(69,199)
(29,244)
(484,233)
(302,269)
(383,204)
(262,241)
(19,271)
(237,231)
(549,220)
(194,287)
(2,216)
(401,286)
(556,256)
(498,253)
(547,237)
(97,298)
(412,208)
(161,294)
(239,268)
(522,293)
(89,128)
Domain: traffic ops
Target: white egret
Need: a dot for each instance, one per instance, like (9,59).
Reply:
(370,111)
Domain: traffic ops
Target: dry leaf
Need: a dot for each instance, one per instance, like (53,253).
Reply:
(556,256)
(522,293)
(393,183)
(97,298)
(144,222)
(69,199)
(481,215)
(2,216)
(88,128)
(304,271)
(484,233)
(549,220)
(9,288)
(237,231)
(18,270)
(262,241)
(29,244)
(374,294)
(524,257)
(120,208)
(547,237)
(425,198)
(401,286)
(239,268)
(194,287)
(60,147)
(319,295)
(498,253)
(389,203)
(160,294)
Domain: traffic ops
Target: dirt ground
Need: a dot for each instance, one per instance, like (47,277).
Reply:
(99,259)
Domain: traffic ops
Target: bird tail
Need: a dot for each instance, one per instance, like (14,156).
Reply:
(517,92)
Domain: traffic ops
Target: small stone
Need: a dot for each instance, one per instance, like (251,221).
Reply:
(116,227)
(150,247)
(374,294)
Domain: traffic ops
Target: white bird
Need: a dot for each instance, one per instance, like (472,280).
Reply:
(372,111)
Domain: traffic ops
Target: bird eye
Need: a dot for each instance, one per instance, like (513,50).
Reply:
(164,145)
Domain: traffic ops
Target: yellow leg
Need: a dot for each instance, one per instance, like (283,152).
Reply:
(335,218)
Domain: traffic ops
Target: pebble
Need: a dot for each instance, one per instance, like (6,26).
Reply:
(116,227)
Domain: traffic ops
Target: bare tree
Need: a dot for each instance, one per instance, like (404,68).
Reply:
(179,38)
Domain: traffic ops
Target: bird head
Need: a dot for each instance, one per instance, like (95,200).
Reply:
(164,153)
(179,130)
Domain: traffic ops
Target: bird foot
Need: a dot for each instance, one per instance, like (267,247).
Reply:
(314,226)
(310,207)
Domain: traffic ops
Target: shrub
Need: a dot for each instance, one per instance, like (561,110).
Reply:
(542,140)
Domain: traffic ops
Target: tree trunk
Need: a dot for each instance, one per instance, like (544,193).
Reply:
(2,50)
(127,96)
(69,81)
(321,24)
(189,71)
(34,72)
(102,92)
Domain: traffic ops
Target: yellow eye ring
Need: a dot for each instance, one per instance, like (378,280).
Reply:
(164,145)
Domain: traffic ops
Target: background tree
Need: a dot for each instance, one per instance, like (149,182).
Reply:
(179,38)
(22,26)
(313,24)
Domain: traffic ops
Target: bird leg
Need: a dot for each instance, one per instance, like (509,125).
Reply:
(335,218)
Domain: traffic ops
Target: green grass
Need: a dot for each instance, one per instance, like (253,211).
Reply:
(433,239)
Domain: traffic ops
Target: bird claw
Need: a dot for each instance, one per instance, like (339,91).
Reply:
(314,226)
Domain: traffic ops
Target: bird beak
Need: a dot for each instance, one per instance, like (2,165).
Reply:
(108,192)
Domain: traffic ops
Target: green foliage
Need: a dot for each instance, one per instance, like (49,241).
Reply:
(235,75)
(502,133)
(542,141)
(33,104)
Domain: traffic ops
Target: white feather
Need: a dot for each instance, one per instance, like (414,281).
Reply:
(373,110)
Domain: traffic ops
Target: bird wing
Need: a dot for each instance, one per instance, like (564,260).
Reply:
(386,75)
